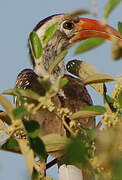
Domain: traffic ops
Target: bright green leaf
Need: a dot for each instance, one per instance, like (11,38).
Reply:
(110,7)
(32,127)
(110,102)
(57,60)
(36,45)
(20,112)
(120,28)
(89,44)
(110,99)
(120,99)
(10,144)
(38,147)
(99,109)
(89,111)
(49,33)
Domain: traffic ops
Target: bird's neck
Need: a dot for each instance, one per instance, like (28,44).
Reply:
(53,48)
(41,71)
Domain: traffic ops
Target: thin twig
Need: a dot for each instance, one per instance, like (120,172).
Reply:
(5,139)
(79,12)
(40,168)
(3,127)
(52,163)
(98,125)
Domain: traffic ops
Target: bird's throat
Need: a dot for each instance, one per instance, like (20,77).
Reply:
(43,71)
(50,51)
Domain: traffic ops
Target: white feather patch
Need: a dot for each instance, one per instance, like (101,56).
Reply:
(70,172)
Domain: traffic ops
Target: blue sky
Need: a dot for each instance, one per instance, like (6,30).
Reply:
(17,20)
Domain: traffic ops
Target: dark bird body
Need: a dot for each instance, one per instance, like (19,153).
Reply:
(72,96)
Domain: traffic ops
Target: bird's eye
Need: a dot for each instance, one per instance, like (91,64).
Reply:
(68,25)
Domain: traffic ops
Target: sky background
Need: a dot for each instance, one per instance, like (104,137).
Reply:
(17,19)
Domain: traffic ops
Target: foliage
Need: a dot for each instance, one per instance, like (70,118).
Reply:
(94,42)
(98,151)
(36,45)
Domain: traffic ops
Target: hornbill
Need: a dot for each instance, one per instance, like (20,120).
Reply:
(73,95)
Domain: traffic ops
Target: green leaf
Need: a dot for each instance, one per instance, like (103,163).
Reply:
(55,142)
(110,99)
(28,93)
(120,28)
(120,99)
(10,144)
(38,147)
(89,44)
(89,111)
(76,152)
(20,112)
(110,102)
(32,127)
(28,154)
(110,7)
(91,133)
(98,78)
(57,60)
(49,33)
(99,109)
(36,45)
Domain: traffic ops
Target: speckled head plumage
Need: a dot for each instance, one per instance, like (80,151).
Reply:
(69,30)
(59,42)
(36,28)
